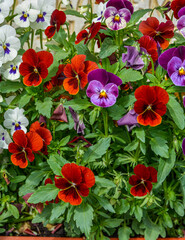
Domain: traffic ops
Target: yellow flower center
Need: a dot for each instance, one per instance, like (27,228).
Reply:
(103,94)
(117,18)
(25,15)
(35,70)
(17,124)
(40,15)
(181,71)
(4,47)
(149,107)
(14,68)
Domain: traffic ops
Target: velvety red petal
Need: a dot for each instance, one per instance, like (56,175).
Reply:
(25,69)
(153,174)
(70,195)
(163,42)
(48,181)
(149,26)
(145,93)
(176,5)
(32,79)
(14,148)
(72,173)
(34,141)
(29,154)
(150,45)
(68,71)
(45,134)
(149,118)
(142,171)
(89,66)
(134,180)
(60,19)
(148,186)
(161,94)
(45,57)
(19,160)
(50,31)
(35,126)
(83,190)
(83,79)
(62,183)
(87,176)
(77,63)
(30,57)
(42,69)
(71,85)
(94,29)
(159,108)
(140,106)
(81,36)
(19,137)
(139,190)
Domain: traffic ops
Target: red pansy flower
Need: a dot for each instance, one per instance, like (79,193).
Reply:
(142,180)
(88,34)
(34,66)
(49,181)
(76,73)
(160,32)
(176,5)
(73,142)
(150,105)
(23,147)
(75,183)
(58,18)
(44,133)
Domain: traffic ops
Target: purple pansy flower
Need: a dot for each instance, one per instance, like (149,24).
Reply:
(129,119)
(181,21)
(183,146)
(133,58)
(103,87)
(173,60)
(116,19)
(79,125)
(119,4)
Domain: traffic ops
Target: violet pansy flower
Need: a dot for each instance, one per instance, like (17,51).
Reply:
(129,119)
(133,58)
(116,19)
(173,60)
(119,4)
(181,21)
(103,88)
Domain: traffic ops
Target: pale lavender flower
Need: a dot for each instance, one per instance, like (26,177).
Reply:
(79,125)
(129,119)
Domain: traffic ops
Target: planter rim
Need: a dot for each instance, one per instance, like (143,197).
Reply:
(68,238)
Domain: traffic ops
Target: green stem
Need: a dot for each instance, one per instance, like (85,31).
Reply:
(43,155)
(91,11)
(32,38)
(14,3)
(105,120)
(22,219)
(59,5)
(152,62)
(41,43)
(68,32)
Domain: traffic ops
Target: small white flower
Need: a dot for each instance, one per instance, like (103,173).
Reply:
(10,70)
(15,120)
(25,14)
(100,12)
(4,138)
(5,9)
(45,8)
(9,44)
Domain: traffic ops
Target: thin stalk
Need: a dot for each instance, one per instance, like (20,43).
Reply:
(41,39)
(22,219)
(106,129)
(13,8)
(152,62)
(43,155)
(32,38)
(91,10)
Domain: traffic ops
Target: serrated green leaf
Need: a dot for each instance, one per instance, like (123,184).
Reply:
(138,213)
(13,210)
(140,133)
(130,75)
(77,104)
(104,203)
(179,208)
(83,215)
(24,100)
(103,182)
(124,233)
(97,151)
(152,78)
(132,146)
(137,15)
(18,179)
(44,107)
(108,47)
(58,210)
(112,222)
(9,86)
(56,163)
(159,147)
(123,207)
(44,193)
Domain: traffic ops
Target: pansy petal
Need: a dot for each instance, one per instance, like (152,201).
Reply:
(35,142)
(125,13)
(153,174)
(30,57)
(110,11)
(161,94)
(48,181)
(19,160)
(70,195)
(173,65)
(19,137)
(90,66)
(77,63)
(111,88)
(139,190)
(83,190)
(134,180)
(103,102)
(165,57)
(178,80)
(29,154)
(62,183)
(45,57)
(71,85)
(142,171)
(112,78)
(183,146)
(93,88)
(50,31)
(72,173)
(100,75)
(147,93)
(25,69)
(87,177)
(32,79)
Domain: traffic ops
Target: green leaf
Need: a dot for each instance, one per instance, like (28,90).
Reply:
(182,181)
(18,179)
(105,183)
(13,210)
(44,217)
(9,86)
(130,75)
(25,99)
(44,107)
(132,146)
(110,68)
(138,213)
(112,223)
(56,163)
(116,112)
(179,208)
(83,49)
(97,151)
(152,78)
(152,231)
(165,167)
(58,210)
(123,207)
(83,215)
(77,104)
(167,220)
(44,193)
(104,203)
(140,133)
(124,233)
(176,112)
(159,147)
(74,13)
(108,47)
(137,15)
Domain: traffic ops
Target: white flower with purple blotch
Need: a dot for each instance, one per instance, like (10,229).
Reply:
(9,44)
(15,120)
(181,21)
(5,9)
(103,88)
(25,14)
(116,19)
(100,13)
(4,138)
(10,70)
(45,8)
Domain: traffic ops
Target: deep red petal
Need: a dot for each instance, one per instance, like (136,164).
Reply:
(89,66)
(14,148)
(142,171)
(161,94)
(34,141)
(29,154)
(83,190)
(140,106)
(71,85)
(45,57)
(19,160)
(50,31)
(150,45)
(149,118)
(134,180)
(81,36)
(48,181)
(35,126)
(83,79)
(45,134)
(159,108)
(149,26)
(32,79)
(145,93)
(176,5)
(68,71)
(153,174)
(62,183)
(19,137)
(72,173)
(70,195)
(139,190)
(42,69)
(30,57)
(77,63)
(94,29)
(87,177)
(25,69)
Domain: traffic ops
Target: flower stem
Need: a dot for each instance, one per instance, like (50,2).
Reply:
(32,38)
(13,8)
(152,62)
(42,155)
(41,43)
(23,219)
(106,129)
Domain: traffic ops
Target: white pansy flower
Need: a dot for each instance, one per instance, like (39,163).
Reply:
(25,14)
(100,12)
(5,9)
(45,8)
(9,44)
(4,138)
(15,120)
(10,70)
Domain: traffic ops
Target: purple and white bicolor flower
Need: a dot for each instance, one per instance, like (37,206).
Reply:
(119,4)
(10,70)
(15,120)
(45,8)
(129,120)
(4,138)
(103,88)
(116,19)
(9,44)
(173,60)
(181,21)
(25,14)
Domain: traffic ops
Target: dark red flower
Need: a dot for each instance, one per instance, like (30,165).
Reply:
(89,33)
(75,183)
(150,45)
(58,18)
(159,32)
(34,66)
(23,147)
(58,79)
(150,105)
(56,200)
(142,180)
(48,86)
(76,73)
(73,142)
(44,133)
(176,5)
